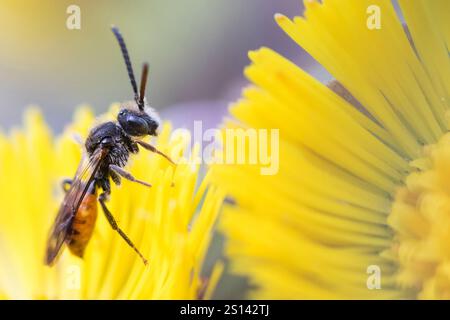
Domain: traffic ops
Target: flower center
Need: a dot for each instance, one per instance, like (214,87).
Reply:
(421,219)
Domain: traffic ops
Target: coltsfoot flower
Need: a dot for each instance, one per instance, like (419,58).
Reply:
(360,207)
(171,222)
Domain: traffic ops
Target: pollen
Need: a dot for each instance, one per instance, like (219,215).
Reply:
(421,219)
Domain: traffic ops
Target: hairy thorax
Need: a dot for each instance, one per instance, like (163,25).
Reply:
(111,136)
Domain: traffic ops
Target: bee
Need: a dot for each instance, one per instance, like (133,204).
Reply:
(108,148)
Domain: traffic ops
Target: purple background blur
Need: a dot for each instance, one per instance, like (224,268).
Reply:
(197,50)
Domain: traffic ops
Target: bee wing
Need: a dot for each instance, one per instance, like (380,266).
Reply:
(72,200)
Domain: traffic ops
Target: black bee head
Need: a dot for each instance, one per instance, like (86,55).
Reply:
(137,123)
(136,118)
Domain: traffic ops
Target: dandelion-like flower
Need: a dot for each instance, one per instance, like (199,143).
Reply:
(360,207)
(171,222)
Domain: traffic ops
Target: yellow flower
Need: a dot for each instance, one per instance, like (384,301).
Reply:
(361,195)
(170,223)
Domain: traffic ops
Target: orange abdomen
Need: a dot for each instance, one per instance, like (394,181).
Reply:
(83,225)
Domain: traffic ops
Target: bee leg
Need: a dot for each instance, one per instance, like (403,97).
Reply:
(102,199)
(65,184)
(115,177)
(127,175)
(151,148)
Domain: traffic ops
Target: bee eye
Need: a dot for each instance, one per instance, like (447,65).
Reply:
(137,123)
(133,125)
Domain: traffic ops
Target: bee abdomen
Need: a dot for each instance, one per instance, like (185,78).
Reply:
(83,225)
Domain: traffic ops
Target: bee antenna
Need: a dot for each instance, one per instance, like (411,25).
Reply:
(144,77)
(126,57)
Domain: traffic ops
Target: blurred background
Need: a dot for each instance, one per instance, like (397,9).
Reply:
(197,50)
